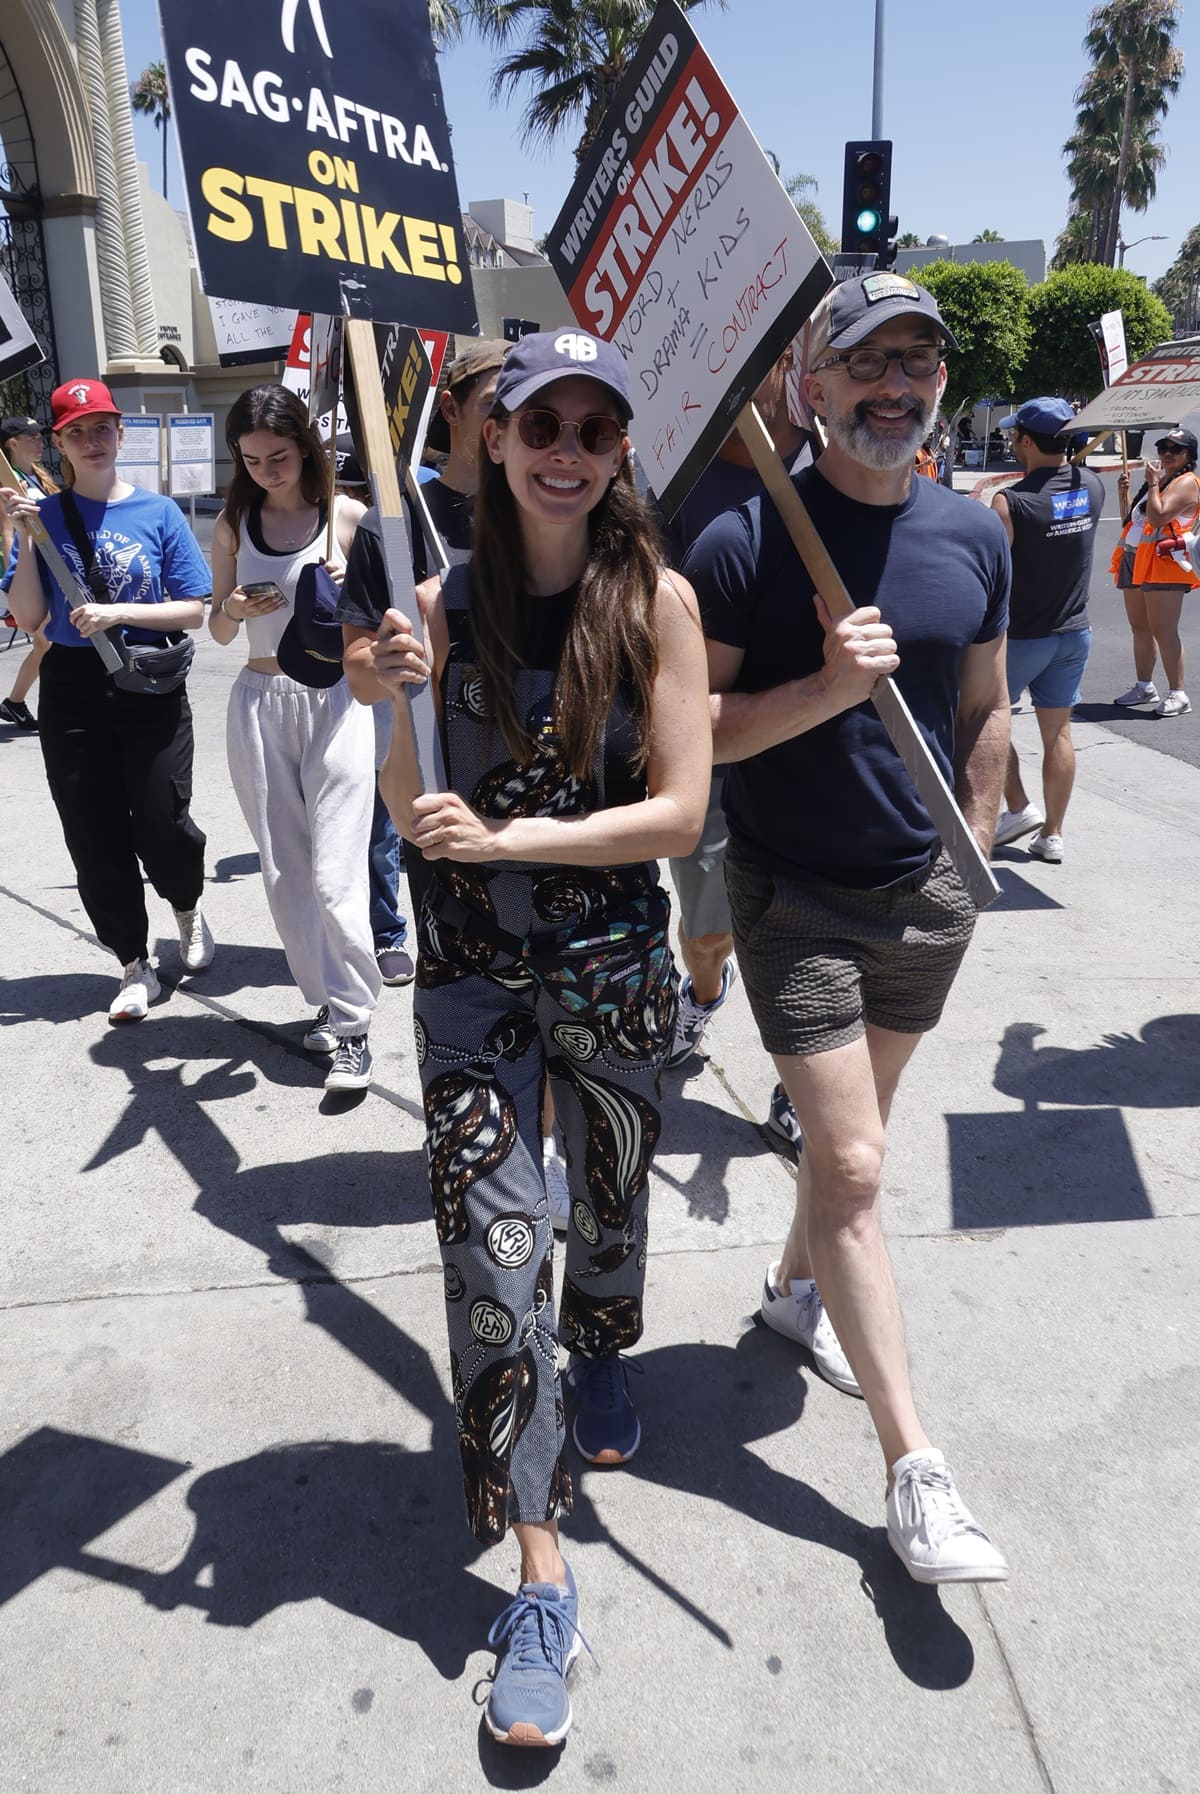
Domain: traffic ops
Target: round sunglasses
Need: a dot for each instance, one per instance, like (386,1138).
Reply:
(598,435)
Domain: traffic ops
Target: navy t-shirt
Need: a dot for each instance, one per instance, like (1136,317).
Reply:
(1054,513)
(836,802)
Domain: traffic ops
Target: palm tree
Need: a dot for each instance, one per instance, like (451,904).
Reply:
(1132,46)
(572,55)
(988,236)
(909,240)
(149,95)
(801,189)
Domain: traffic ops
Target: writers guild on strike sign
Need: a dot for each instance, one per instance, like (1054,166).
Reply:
(315,143)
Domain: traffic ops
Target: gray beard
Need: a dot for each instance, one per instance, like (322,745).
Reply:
(854,436)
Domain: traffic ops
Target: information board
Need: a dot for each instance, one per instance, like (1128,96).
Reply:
(191,461)
(139,458)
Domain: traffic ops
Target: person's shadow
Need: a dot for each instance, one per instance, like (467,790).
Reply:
(1160,1069)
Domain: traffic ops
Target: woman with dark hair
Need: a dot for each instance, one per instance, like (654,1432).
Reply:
(21,442)
(570,676)
(1152,567)
(301,752)
(118,762)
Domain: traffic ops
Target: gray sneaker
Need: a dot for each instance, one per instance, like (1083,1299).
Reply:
(320,1037)
(352,1067)
(1139,693)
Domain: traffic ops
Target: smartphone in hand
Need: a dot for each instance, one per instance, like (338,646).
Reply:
(264,588)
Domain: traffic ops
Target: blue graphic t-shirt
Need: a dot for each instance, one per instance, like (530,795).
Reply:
(145,554)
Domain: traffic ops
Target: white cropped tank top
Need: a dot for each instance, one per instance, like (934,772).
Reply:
(257,562)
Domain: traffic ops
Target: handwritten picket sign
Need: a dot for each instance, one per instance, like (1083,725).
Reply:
(1162,388)
(247,333)
(678,244)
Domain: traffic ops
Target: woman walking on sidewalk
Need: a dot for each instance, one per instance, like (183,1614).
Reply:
(574,709)
(1151,565)
(118,762)
(21,443)
(301,753)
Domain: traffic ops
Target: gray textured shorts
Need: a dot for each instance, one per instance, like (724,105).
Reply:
(820,961)
(699,879)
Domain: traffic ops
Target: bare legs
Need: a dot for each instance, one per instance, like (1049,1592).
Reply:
(704,955)
(843,1098)
(541,1560)
(1058,770)
(29,669)
(1154,619)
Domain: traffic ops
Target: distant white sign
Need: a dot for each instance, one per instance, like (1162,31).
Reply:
(250,332)
(139,458)
(1161,388)
(191,469)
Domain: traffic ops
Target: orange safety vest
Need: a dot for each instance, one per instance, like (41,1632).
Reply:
(1160,557)
(927,463)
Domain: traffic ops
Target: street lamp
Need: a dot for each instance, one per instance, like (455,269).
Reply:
(1122,246)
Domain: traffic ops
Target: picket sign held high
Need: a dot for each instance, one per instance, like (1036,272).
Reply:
(957,836)
(362,364)
(50,554)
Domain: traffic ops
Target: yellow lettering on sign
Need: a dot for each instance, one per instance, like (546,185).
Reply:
(274,196)
(229,218)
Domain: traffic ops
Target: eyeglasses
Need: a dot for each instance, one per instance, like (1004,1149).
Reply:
(598,435)
(1171,448)
(919,360)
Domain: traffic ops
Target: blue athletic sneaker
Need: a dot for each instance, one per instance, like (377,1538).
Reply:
(782,1120)
(538,1639)
(606,1429)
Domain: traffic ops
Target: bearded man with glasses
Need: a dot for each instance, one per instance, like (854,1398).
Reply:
(849,918)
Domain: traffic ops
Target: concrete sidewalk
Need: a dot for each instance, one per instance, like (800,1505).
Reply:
(233,1554)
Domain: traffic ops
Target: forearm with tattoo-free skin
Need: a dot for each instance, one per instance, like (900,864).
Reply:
(981,738)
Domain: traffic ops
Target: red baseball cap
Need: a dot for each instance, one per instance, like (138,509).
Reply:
(80,398)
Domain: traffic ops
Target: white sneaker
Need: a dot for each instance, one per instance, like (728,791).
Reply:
(692,1019)
(557,1193)
(931,1531)
(801,1316)
(1015,823)
(196,947)
(1176,703)
(139,988)
(1047,847)
(1142,691)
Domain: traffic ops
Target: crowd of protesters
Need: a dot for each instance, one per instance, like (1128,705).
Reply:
(585,678)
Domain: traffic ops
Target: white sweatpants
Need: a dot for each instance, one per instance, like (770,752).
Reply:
(302,763)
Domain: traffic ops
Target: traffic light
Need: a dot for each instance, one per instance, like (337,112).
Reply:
(891,247)
(866,191)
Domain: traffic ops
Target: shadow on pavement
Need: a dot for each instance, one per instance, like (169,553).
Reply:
(703,1406)
(236,865)
(236,967)
(688,1119)
(56,997)
(1016,893)
(1154,1070)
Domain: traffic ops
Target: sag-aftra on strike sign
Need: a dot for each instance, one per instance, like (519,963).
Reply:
(315,144)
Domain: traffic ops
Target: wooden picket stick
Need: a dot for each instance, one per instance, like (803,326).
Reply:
(67,581)
(418,714)
(957,836)
(331,493)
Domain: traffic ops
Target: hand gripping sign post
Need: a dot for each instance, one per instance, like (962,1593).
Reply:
(317,158)
(678,244)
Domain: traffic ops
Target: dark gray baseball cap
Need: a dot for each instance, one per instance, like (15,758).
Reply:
(850,311)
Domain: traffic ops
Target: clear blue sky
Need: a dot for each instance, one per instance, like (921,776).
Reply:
(977,98)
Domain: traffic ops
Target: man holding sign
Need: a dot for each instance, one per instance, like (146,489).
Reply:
(849,918)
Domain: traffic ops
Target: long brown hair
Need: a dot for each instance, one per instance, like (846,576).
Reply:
(281,412)
(44,477)
(612,623)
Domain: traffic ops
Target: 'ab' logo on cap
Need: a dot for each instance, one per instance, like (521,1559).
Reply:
(579,348)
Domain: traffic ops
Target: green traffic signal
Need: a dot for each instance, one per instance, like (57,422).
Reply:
(867,222)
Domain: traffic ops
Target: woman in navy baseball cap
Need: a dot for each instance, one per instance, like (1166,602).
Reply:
(573,697)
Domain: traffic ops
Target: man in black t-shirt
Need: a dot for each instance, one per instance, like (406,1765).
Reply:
(849,919)
(1050,518)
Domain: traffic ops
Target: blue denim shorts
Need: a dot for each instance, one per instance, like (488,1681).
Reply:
(1050,666)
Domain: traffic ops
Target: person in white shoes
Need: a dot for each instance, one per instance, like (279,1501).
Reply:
(1050,518)
(301,751)
(118,763)
(1152,566)
(849,919)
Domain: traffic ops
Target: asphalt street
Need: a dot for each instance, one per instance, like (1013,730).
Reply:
(233,1558)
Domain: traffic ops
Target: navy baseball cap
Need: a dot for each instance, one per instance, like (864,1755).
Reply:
(854,308)
(21,426)
(539,360)
(1178,439)
(1041,417)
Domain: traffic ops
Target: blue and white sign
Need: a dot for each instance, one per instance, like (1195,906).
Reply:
(139,458)
(190,460)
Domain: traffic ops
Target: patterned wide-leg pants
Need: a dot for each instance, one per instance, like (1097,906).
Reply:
(486,1043)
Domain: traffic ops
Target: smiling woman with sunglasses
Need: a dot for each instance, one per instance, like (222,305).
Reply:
(570,674)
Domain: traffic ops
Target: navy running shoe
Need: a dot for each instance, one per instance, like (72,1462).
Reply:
(606,1429)
(782,1120)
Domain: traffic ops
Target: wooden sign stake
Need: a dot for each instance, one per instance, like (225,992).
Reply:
(957,837)
(67,581)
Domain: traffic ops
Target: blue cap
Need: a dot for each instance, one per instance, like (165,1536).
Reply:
(1041,417)
(539,360)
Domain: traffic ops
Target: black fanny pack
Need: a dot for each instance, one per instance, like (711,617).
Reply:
(593,969)
(150,669)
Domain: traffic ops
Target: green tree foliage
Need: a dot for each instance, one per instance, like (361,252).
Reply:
(569,55)
(149,96)
(1062,354)
(1179,288)
(909,240)
(984,303)
(801,189)
(1113,155)
(988,236)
